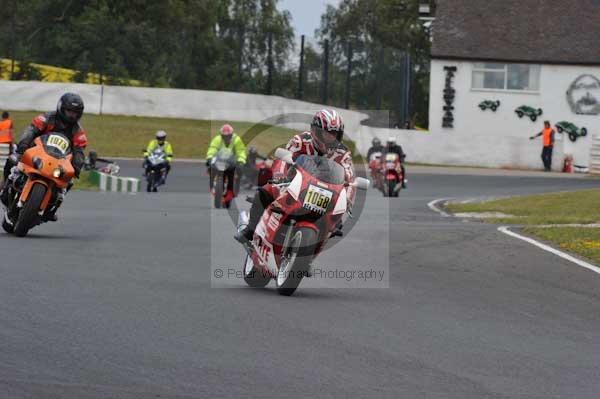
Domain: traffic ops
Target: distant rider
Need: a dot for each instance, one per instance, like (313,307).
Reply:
(227,139)
(250,170)
(394,148)
(376,146)
(325,138)
(160,141)
(64,120)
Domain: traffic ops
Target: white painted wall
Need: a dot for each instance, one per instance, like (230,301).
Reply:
(479,138)
(500,139)
(174,103)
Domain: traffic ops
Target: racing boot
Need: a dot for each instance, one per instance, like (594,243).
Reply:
(50,214)
(4,196)
(261,200)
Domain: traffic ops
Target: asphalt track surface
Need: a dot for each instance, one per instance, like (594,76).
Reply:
(118,300)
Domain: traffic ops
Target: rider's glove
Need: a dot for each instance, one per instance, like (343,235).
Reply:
(15,157)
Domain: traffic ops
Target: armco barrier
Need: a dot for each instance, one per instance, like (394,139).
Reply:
(113,183)
(595,156)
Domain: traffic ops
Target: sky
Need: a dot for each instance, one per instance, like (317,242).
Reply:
(306,14)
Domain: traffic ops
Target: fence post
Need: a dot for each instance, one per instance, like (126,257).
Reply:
(325,77)
(348,76)
(270,64)
(301,70)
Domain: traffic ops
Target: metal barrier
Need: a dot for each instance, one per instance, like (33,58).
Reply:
(595,156)
(4,152)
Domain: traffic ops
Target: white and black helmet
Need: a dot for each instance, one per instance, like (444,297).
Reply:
(161,135)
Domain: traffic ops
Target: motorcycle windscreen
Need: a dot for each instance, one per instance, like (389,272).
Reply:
(157,156)
(324,169)
(56,145)
(224,159)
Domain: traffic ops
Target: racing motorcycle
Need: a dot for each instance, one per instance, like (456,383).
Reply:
(392,175)
(375,169)
(156,170)
(258,174)
(39,182)
(222,167)
(294,229)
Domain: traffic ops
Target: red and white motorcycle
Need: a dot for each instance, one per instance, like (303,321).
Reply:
(294,229)
(392,175)
(375,170)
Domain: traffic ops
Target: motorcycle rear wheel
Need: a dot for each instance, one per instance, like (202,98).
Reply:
(296,262)
(29,216)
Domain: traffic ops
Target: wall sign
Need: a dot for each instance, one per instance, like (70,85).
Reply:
(571,129)
(584,95)
(526,110)
(449,92)
(493,105)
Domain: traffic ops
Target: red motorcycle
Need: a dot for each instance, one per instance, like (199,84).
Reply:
(258,174)
(392,175)
(375,170)
(294,229)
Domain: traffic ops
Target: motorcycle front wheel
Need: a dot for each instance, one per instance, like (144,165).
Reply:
(29,214)
(295,262)
(218,187)
(254,277)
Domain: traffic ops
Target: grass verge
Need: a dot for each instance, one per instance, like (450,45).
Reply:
(580,207)
(580,240)
(84,182)
(127,136)
(554,208)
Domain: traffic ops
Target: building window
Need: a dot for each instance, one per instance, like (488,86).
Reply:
(497,76)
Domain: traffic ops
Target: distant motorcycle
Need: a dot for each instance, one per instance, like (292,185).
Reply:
(392,175)
(294,229)
(375,170)
(223,168)
(156,170)
(258,174)
(38,183)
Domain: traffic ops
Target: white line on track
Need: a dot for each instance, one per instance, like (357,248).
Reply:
(433,206)
(579,262)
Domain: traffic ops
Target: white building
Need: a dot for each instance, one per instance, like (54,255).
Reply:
(541,54)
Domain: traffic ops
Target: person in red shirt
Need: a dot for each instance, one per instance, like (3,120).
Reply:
(64,120)
(324,138)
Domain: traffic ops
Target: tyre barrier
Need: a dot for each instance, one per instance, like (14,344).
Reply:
(4,152)
(595,156)
(117,184)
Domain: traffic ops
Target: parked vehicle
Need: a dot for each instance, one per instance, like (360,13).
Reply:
(42,177)
(294,229)
(532,113)
(571,129)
